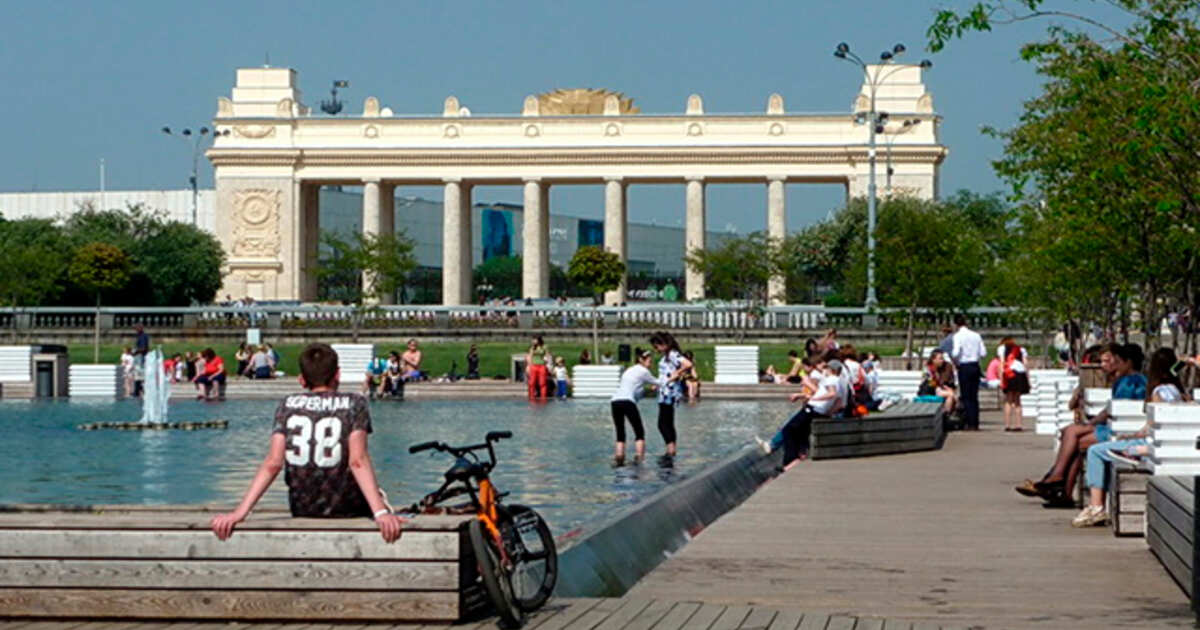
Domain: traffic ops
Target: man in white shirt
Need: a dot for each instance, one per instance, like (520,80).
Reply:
(967,352)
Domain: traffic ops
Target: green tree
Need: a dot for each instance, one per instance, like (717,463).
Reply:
(501,273)
(1105,162)
(388,258)
(31,271)
(925,256)
(598,271)
(98,268)
(738,269)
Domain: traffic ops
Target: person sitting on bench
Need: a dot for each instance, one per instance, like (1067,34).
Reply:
(1163,387)
(212,377)
(828,400)
(321,437)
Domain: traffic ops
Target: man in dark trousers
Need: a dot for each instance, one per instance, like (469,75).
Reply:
(967,352)
(141,347)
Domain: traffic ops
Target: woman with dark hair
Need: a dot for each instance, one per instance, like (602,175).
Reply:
(1163,387)
(633,383)
(691,379)
(812,348)
(213,374)
(672,367)
(1124,363)
(537,374)
(939,381)
(1014,381)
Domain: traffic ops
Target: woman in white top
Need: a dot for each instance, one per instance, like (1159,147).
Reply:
(634,380)
(1163,387)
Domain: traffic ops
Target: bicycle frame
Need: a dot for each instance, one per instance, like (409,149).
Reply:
(484,499)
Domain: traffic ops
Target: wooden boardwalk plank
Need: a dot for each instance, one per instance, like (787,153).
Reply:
(839,622)
(704,617)
(813,622)
(650,615)
(786,620)
(564,613)
(958,546)
(595,615)
(678,616)
(630,608)
(868,624)
(893,624)
(731,618)
(758,619)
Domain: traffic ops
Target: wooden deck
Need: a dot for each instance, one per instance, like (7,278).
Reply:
(936,537)
(627,613)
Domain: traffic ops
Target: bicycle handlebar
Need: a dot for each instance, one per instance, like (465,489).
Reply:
(424,446)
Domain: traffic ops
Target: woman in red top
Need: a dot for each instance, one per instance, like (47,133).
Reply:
(1014,381)
(213,374)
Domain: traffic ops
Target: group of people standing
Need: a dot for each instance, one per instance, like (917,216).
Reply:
(674,368)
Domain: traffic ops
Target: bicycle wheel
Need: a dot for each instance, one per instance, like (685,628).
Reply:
(533,554)
(495,578)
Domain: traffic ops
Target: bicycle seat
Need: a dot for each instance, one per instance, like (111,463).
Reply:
(464,469)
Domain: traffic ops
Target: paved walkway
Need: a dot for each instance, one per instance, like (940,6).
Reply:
(937,536)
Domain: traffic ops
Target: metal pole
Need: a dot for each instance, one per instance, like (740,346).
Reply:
(195,155)
(871,301)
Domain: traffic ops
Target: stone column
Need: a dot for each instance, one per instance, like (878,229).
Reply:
(370,226)
(695,232)
(776,231)
(616,239)
(466,259)
(310,230)
(535,236)
(387,221)
(454,228)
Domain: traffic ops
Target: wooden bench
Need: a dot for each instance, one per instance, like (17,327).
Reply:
(902,428)
(1127,499)
(1169,526)
(164,563)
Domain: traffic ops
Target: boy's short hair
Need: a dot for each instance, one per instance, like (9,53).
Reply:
(318,365)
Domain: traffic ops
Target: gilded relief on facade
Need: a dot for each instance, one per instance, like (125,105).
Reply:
(256,223)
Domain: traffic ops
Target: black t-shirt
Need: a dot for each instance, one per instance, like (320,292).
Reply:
(317,427)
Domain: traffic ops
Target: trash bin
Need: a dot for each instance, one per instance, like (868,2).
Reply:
(624,354)
(518,368)
(43,379)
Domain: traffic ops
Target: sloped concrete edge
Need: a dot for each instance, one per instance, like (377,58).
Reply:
(618,551)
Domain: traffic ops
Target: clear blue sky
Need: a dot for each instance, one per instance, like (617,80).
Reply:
(86,80)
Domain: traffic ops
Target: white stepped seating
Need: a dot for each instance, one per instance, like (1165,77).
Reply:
(353,359)
(903,383)
(15,364)
(595,381)
(1048,400)
(1174,429)
(1126,416)
(736,365)
(94,381)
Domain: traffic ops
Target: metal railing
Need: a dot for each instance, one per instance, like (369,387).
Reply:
(517,316)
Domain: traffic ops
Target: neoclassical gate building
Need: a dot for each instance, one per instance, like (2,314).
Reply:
(271,156)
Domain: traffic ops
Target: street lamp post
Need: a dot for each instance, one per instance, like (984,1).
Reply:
(905,127)
(875,121)
(197,141)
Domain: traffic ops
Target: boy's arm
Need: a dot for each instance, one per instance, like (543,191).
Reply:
(223,524)
(364,473)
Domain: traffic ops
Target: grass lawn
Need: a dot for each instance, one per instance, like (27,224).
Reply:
(493,356)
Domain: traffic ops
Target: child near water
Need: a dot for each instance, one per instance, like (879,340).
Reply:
(321,437)
(560,378)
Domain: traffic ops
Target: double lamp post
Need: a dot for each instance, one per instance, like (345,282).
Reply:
(876,121)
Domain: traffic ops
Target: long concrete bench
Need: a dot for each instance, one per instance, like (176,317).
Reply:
(902,428)
(164,563)
(1169,526)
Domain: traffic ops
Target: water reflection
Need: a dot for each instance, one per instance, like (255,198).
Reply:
(560,460)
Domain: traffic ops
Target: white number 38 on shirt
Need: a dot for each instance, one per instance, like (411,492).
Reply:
(325,450)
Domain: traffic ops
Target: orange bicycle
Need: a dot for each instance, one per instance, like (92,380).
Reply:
(518,562)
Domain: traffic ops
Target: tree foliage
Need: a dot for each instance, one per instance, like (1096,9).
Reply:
(100,268)
(343,260)
(739,268)
(32,270)
(596,269)
(1105,163)
(502,273)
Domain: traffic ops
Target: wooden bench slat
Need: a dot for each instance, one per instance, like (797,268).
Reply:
(853,425)
(58,573)
(874,437)
(1170,560)
(221,604)
(1173,506)
(883,448)
(200,521)
(266,545)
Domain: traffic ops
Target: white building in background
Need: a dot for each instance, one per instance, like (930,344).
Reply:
(53,205)
(497,228)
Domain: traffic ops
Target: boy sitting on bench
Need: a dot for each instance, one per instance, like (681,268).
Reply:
(321,435)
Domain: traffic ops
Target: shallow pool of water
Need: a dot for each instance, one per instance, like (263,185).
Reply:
(558,461)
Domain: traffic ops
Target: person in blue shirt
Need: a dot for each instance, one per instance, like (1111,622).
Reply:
(375,369)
